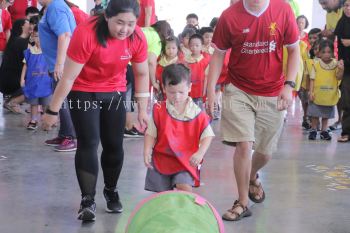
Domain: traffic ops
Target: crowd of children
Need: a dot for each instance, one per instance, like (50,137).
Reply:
(180,87)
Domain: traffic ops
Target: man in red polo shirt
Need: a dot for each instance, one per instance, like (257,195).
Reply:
(257,93)
(147,13)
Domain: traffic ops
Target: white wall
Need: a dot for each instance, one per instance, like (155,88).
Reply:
(175,11)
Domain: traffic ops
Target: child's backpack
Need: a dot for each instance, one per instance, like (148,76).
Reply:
(175,212)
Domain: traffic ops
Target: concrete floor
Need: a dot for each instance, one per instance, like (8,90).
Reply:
(307,184)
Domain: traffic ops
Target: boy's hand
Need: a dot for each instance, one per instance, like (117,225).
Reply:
(311,96)
(156,85)
(148,161)
(196,159)
(341,65)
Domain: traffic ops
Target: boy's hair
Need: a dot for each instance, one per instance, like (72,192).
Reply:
(196,36)
(204,30)
(32,10)
(171,39)
(306,21)
(327,43)
(192,15)
(314,31)
(34,20)
(214,22)
(316,45)
(176,73)
(189,30)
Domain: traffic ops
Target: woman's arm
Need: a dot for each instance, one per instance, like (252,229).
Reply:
(141,90)
(70,73)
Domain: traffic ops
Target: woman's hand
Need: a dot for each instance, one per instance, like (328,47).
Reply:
(48,121)
(143,120)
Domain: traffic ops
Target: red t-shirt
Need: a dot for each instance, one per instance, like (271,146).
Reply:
(257,45)
(5,26)
(197,77)
(79,15)
(143,5)
(104,68)
(18,9)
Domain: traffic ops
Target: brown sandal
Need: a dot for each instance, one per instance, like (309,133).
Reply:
(344,138)
(233,215)
(258,187)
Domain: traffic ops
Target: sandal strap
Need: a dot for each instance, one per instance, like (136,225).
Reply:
(236,205)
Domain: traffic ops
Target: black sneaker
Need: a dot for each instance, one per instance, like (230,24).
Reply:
(306,125)
(113,202)
(87,211)
(132,133)
(313,134)
(325,135)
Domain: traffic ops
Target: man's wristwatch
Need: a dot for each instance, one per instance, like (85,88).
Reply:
(290,83)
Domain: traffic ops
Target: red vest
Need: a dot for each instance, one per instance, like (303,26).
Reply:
(176,141)
(197,77)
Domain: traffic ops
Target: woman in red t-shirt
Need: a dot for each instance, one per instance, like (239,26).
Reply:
(94,78)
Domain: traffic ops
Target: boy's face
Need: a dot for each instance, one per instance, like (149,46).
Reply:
(313,38)
(208,36)
(329,5)
(196,46)
(192,21)
(177,94)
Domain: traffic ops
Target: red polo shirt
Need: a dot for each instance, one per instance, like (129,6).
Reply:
(143,5)
(257,41)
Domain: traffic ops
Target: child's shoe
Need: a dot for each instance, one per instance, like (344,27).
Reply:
(306,125)
(313,134)
(32,125)
(325,135)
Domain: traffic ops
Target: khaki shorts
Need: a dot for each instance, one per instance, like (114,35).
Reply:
(250,118)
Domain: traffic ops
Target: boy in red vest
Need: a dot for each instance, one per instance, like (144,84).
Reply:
(177,137)
(198,63)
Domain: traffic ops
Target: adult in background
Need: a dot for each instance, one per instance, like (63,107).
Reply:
(334,10)
(18,8)
(94,78)
(5,26)
(342,31)
(11,68)
(55,30)
(147,13)
(254,101)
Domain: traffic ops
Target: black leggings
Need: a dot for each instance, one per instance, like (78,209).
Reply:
(98,116)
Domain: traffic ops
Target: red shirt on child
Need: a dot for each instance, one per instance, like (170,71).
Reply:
(198,70)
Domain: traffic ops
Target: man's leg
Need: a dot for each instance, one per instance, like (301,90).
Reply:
(242,165)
